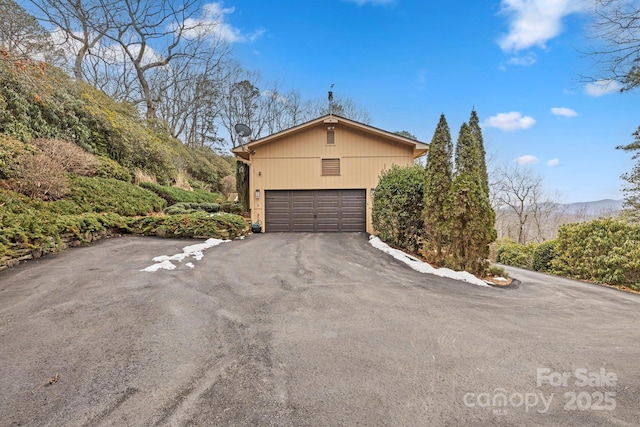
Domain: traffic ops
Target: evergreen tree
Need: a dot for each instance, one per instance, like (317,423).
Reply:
(474,124)
(21,35)
(467,158)
(470,217)
(632,189)
(439,174)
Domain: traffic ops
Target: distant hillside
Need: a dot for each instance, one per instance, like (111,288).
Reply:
(599,207)
(543,224)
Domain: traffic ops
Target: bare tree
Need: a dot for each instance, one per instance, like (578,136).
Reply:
(81,23)
(265,111)
(154,34)
(189,90)
(616,51)
(547,214)
(616,33)
(342,106)
(518,191)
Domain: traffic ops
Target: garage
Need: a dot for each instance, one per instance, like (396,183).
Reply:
(315,210)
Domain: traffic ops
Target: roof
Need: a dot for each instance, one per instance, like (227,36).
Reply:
(419,148)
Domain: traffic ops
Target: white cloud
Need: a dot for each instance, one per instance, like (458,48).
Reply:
(562,111)
(523,61)
(534,22)
(553,162)
(373,2)
(527,160)
(511,121)
(214,23)
(602,87)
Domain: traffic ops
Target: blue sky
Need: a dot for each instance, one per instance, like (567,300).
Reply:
(408,61)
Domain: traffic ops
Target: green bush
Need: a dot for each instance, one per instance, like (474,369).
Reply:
(109,168)
(397,207)
(232,207)
(497,271)
(514,254)
(31,224)
(34,224)
(603,251)
(175,195)
(108,195)
(10,149)
(184,208)
(200,224)
(543,254)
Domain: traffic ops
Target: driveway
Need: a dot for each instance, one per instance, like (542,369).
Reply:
(305,329)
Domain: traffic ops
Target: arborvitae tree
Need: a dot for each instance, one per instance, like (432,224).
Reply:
(439,174)
(470,217)
(467,160)
(474,124)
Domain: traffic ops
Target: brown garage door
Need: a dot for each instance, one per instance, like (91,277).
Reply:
(315,210)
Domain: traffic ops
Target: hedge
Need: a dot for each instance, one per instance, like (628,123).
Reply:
(517,255)
(602,251)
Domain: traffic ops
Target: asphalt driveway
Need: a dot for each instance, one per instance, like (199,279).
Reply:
(305,329)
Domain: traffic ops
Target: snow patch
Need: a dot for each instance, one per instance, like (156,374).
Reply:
(163,262)
(422,266)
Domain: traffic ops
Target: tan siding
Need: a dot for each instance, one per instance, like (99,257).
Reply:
(294,162)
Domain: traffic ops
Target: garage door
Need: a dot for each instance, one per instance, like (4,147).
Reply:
(315,210)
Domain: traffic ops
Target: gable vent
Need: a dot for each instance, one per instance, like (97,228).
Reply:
(330,166)
(331,136)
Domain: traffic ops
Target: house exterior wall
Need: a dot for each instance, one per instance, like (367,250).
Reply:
(294,162)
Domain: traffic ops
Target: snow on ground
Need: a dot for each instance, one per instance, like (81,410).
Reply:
(422,266)
(163,262)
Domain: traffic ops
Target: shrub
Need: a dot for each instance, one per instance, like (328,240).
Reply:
(219,225)
(232,207)
(543,254)
(73,158)
(44,102)
(184,208)
(514,254)
(109,168)
(29,223)
(110,195)
(10,149)
(604,251)
(497,271)
(38,176)
(397,207)
(175,195)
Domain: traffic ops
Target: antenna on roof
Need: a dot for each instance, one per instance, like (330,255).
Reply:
(331,100)
(242,131)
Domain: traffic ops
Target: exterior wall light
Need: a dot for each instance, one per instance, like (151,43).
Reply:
(373,193)
(257,193)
